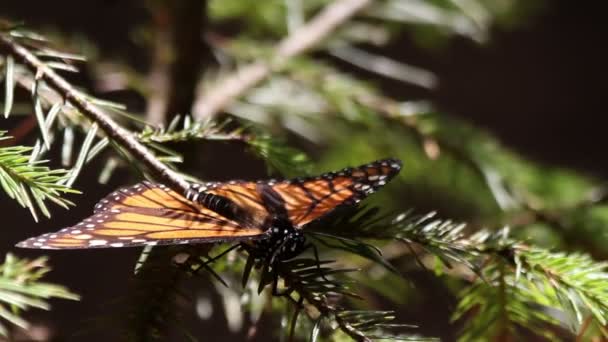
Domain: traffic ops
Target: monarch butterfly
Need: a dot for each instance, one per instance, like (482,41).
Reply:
(270,213)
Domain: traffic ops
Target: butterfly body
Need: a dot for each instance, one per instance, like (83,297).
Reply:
(284,242)
(268,217)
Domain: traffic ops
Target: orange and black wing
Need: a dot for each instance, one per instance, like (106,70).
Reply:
(308,199)
(239,199)
(146,214)
(300,200)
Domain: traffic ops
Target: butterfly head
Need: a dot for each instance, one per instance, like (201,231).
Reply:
(284,242)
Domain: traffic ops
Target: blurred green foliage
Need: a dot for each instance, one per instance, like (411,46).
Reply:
(542,278)
(21,288)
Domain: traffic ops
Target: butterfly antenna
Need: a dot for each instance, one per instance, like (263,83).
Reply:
(247,270)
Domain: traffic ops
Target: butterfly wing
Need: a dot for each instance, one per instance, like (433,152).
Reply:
(152,214)
(240,199)
(146,214)
(301,200)
(307,199)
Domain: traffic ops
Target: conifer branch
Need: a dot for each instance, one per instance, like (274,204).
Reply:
(317,285)
(522,287)
(214,100)
(278,156)
(517,284)
(9,46)
(21,290)
(29,182)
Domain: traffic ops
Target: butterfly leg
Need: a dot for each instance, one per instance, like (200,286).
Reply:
(213,259)
(315,252)
(272,265)
(275,255)
(191,267)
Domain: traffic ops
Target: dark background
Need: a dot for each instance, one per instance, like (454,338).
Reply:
(540,87)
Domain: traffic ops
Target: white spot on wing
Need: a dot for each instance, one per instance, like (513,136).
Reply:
(98,242)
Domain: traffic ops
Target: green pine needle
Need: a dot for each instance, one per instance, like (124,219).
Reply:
(30,183)
(529,290)
(21,290)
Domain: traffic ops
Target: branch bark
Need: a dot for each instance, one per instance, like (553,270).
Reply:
(305,38)
(94,113)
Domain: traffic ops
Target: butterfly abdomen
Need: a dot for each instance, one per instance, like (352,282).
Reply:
(219,204)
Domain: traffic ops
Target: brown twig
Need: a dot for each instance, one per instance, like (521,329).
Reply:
(306,37)
(114,131)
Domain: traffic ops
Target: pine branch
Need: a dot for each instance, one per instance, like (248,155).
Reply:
(306,37)
(9,46)
(29,182)
(524,286)
(518,286)
(497,307)
(289,162)
(580,284)
(442,238)
(21,290)
(317,285)
(278,156)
